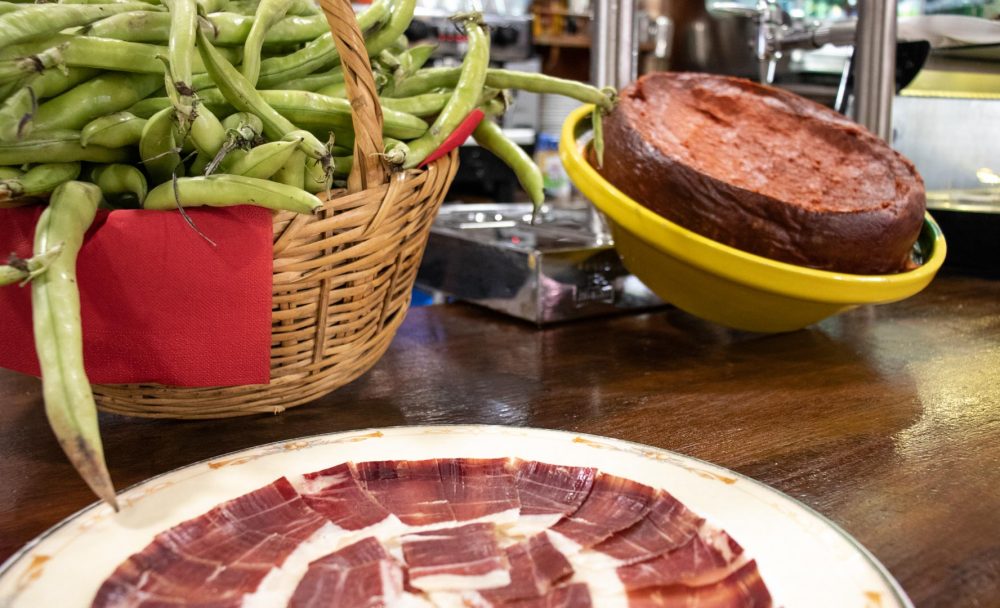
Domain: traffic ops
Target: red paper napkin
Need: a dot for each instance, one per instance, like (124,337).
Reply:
(158,302)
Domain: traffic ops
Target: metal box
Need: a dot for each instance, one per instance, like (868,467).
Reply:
(563,267)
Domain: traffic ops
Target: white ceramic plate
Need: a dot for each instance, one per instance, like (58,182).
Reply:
(805,559)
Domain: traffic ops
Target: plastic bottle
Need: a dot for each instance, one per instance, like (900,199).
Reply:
(554,178)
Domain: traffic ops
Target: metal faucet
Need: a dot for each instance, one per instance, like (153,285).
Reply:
(873,35)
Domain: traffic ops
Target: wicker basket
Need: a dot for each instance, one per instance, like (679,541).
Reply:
(342,278)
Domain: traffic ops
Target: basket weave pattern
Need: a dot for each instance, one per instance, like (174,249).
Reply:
(342,278)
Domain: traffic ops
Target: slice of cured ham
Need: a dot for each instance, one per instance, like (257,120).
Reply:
(217,557)
(454,559)
(336,494)
(548,489)
(707,557)
(744,588)
(575,595)
(667,526)
(614,503)
(423,492)
(535,566)
(357,576)
(477,488)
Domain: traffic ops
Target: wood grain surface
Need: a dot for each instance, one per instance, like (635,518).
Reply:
(885,419)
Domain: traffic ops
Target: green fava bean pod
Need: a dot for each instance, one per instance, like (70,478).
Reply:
(336,89)
(21,271)
(117,180)
(17,110)
(105,94)
(207,132)
(490,136)
(178,80)
(10,172)
(400,17)
(427,104)
(245,98)
(429,79)
(268,13)
(55,300)
(133,26)
(314,82)
(464,97)
(239,121)
(293,172)
(39,180)
(58,147)
(316,111)
(262,161)
(158,146)
(122,56)
(317,55)
(15,70)
(317,179)
(228,190)
(41,20)
(199,165)
(113,131)
(233,29)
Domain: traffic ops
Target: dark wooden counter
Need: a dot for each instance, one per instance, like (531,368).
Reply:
(886,420)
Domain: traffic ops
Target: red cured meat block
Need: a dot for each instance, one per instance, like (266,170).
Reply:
(335,494)
(744,588)
(535,566)
(454,559)
(667,526)
(614,503)
(421,492)
(361,575)
(576,595)
(548,489)
(707,557)
(478,487)
(215,559)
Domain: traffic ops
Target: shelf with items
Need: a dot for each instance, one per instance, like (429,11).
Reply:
(576,41)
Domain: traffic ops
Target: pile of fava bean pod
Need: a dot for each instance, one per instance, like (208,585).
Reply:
(163,104)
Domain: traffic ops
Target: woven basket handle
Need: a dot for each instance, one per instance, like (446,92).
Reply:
(369,170)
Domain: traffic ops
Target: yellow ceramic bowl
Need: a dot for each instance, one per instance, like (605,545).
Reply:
(723,284)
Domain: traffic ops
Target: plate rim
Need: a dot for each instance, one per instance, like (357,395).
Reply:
(900,594)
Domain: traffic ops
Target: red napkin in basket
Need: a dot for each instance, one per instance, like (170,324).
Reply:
(158,302)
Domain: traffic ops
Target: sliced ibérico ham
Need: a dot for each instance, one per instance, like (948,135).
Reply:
(548,489)
(476,488)
(469,533)
(409,489)
(454,559)
(422,492)
(744,588)
(336,494)
(667,526)
(535,566)
(707,557)
(217,557)
(575,595)
(358,576)
(614,503)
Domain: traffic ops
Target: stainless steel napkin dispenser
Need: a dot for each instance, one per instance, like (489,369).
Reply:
(560,268)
